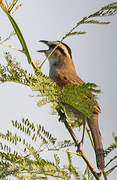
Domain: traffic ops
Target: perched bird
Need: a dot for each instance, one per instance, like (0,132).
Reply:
(62,71)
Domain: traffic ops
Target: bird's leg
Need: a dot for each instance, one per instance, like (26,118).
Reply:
(82,140)
(84,127)
(62,115)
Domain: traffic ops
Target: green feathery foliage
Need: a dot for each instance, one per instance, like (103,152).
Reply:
(65,144)
(111,147)
(109,10)
(81,97)
(26,162)
(72,170)
(87,173)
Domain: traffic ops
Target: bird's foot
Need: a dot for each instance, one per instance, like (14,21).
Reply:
(62,117)
(79,147)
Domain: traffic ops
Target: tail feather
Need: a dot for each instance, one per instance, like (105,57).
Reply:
(96,135)
(100,159)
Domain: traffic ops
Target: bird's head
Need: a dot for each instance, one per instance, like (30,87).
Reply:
(62,51)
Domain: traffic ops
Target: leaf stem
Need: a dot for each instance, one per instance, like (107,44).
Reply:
(110,170)
(18,33)
(63,116)
(90,136)
(12,5)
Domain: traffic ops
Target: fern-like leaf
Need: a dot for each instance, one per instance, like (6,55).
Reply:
(112,147)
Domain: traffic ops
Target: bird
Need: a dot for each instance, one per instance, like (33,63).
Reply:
(63,72)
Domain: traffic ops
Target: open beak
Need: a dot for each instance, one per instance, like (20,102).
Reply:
(45,42)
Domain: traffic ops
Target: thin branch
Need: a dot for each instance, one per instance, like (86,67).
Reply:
(6,3)
(17,7)
(111,161)
(11,47)
(49,55)
(60,150)
(12,5)
(7,38)
(105,175)
(90,136)
(97,176)
(110,170)
(71,31)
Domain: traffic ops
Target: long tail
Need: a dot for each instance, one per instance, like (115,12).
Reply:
(99,151)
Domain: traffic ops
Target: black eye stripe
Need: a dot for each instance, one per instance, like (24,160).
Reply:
(68,48)
(61,50)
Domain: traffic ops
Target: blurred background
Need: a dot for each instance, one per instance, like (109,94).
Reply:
(94,55)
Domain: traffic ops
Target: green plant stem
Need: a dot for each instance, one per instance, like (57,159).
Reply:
(79,23)
(110,170)
(11,47)
(49,55)
(71,133)
(97,176)
(90,136)
(18,33)
(111,161)
(105,175)
(12,5)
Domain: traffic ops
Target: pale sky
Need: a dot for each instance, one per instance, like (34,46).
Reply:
(94,55)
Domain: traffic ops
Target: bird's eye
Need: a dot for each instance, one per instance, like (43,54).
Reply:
(61,50)
(52,46)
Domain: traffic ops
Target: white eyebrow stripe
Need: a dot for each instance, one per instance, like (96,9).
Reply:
(64,48)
